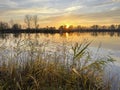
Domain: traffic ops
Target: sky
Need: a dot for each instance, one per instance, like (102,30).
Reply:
(61,12)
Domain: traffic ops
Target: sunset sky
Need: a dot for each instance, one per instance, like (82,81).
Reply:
(59,12)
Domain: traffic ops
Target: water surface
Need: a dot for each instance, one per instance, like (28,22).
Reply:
(103,44)
(107,42)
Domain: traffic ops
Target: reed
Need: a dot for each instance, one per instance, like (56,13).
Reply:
(30,66)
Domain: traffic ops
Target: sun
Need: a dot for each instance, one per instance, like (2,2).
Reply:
(67,25)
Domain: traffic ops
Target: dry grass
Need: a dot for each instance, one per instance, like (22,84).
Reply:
(32,67)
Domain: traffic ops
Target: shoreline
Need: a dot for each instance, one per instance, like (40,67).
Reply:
(54,31)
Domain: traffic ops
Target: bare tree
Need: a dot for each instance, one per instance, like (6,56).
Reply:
(27,20)
(11,22)
(4,25)
(35,21)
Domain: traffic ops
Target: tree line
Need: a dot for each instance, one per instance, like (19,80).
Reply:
(32,22)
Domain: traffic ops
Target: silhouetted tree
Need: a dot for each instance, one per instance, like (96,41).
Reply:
(35,21)
(118,27)
(65,27)
(104,27)
(78,27)
(96,27)
(61,27)
(52,28)
(71,27)
(16,26)
(4,25)
(112,27)
(27,20)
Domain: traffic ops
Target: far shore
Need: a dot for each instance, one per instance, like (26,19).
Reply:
(54,31)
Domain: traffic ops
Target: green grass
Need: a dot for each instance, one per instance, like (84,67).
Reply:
(41,71)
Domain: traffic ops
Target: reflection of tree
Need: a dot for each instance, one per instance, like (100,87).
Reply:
(16,35)
(103,33)
(36,35)
(112,34)
(94,33)
(65,35)
(118,34)
(4,36)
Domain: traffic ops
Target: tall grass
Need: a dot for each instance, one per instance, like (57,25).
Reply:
(32,66)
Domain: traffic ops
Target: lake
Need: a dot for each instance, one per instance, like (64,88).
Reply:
(103,44)
(108,43)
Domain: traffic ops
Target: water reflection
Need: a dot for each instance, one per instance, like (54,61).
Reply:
(66,35)
(110,40)
(16,35)
(111,34)
(4,36)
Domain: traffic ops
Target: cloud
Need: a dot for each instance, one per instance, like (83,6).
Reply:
(116,0)
(73,8)
(44,10)
(101,18)
(7,3)
(62,11)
